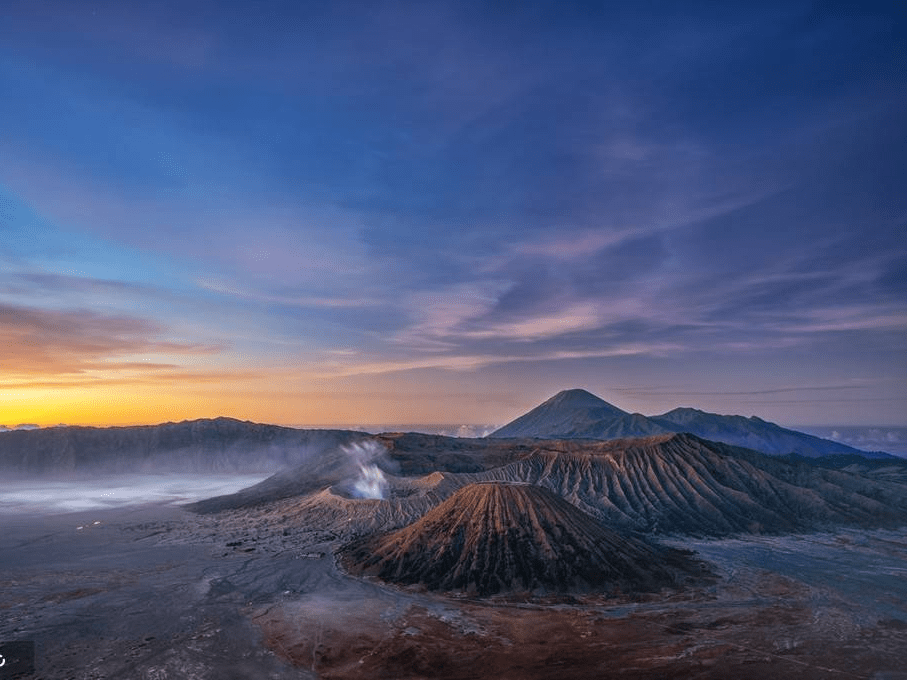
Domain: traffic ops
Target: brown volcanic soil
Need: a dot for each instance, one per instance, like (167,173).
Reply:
(492,537)
(679,640)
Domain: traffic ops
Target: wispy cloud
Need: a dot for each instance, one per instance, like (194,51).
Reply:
(288,300)
(363,366)
(53,342)
(330,192)
(140,376)
(45,284)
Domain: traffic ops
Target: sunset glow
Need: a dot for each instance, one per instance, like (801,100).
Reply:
(428,213)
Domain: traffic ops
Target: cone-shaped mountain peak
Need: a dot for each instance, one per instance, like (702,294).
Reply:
(566,414)
(578,398)
(577,414)
(494,537)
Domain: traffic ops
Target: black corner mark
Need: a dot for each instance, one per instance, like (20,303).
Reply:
(17,659)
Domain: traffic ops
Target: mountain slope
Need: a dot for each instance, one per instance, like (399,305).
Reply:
(565,416)
(682,484)
(489,538)
(752,433)
(570,413)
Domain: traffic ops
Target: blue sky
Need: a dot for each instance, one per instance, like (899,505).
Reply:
(357,212)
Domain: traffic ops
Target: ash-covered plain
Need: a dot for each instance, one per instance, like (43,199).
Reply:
(419,556)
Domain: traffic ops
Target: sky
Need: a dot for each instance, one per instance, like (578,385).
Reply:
(445,212)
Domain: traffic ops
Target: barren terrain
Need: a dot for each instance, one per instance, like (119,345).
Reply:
(804,571)
(156,592)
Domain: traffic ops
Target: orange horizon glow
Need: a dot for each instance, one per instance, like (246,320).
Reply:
(106,370)
(254,400)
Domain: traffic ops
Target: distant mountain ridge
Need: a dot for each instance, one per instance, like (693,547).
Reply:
(206,445)
(578,414)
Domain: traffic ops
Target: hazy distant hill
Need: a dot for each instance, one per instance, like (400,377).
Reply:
(208,445)
(892,469)
(753,433)
(577,414)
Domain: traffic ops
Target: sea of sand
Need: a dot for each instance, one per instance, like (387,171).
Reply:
(148,590)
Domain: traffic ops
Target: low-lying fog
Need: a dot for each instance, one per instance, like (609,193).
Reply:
(42,496)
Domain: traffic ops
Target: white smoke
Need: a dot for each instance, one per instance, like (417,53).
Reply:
(371,482)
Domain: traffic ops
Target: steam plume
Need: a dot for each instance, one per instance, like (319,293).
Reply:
(371,482)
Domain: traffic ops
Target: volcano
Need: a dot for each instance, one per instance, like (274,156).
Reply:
(578,414)
(491,538)
(569,414)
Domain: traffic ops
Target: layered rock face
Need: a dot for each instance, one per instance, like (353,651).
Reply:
(495,537)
